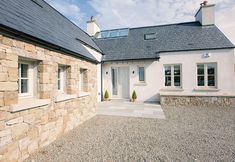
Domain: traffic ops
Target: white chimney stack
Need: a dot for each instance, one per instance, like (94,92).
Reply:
(206,14)
(92,27)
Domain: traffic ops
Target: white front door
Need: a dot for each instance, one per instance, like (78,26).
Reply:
(120,82)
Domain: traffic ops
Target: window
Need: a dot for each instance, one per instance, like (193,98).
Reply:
(141,74)
(61,78)
(150,36)
(83,80)
(206,75)
(25,79)
(112,33)
(172,75)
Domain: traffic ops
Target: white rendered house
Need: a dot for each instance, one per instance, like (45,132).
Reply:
(192,61)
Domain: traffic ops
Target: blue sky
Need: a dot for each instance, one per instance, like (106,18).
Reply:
(133,13)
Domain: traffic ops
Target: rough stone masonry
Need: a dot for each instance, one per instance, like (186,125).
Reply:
(24,131)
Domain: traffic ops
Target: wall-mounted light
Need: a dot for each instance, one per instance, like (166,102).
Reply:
(133,72)
(107,73)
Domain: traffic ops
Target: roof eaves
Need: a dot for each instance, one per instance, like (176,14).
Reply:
(20,35)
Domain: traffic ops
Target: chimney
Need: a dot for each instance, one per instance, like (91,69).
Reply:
(206,14)
(92,26)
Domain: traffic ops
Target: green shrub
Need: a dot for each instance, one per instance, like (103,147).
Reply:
(106,95)
(134,96)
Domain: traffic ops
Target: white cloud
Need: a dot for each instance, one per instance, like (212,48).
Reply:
(69,9)
(134,13)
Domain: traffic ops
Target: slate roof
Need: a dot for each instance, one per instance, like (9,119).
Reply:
(38,19)
(170,38)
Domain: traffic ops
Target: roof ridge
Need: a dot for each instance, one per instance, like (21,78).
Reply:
(189,22)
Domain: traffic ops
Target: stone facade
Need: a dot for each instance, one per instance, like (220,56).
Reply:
(23,131)
(203,101)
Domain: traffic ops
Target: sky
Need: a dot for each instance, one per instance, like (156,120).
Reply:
(112,14)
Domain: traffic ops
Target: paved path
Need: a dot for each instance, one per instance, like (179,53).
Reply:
(130,109)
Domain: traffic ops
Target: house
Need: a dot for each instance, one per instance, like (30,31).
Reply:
(48,77)
(52,73)
(188,63)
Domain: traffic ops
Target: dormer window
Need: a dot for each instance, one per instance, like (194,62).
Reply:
(150,36)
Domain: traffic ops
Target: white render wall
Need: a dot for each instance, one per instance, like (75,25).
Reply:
(154,72)
(98,57)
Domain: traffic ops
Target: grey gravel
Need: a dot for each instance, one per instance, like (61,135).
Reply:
(187,134)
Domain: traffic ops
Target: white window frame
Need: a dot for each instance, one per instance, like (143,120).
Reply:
(62,79)
(30,79)
(173,75)
(142,81)
(206,75)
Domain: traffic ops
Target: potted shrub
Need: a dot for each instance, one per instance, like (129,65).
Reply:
(134,96)
(106,96)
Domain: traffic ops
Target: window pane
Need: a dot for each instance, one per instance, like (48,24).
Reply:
(141,74)
(59,71)
(24,85)
(24,70)
(211,69)
(123,32)
(113,33)
(200,69)
(167,70)
(104,34)
(168,81)
(177,81)
(177,70)
(150,36)
(211,81)
(200,81)
(59,85)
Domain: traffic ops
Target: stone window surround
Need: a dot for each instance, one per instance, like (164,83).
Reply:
(32,101)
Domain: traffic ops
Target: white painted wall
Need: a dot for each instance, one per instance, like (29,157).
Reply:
(150,91)
(98,57)
(206,15)
(92,28)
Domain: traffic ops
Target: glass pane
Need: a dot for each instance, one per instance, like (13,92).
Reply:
(167,70)
(24,85)
(177,70)
(211,81)
(59,71)
(200,69)
(141,73)
(211,69)
(123,32)
(167,81)
(200,81)
(24,70)
(114,81)
(177,81)
(59,85)
(150,36)
(113,33)
(104,34)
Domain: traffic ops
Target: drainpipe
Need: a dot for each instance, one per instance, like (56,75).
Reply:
(101,71)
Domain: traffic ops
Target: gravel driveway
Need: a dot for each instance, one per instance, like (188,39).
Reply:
(187,134)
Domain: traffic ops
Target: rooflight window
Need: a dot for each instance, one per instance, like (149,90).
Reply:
(112,33)
(150,36)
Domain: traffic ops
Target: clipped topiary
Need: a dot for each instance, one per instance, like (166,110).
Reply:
(134,96)
(106,95)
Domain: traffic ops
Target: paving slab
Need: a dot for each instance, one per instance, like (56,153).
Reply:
(130,109)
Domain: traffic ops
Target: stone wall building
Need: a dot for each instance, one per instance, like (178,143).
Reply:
(46,87)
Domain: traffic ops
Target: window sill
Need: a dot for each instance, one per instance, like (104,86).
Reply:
(206,90)
(84,94)
(172,90)
(141,84)
(64,97)
(28,103)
